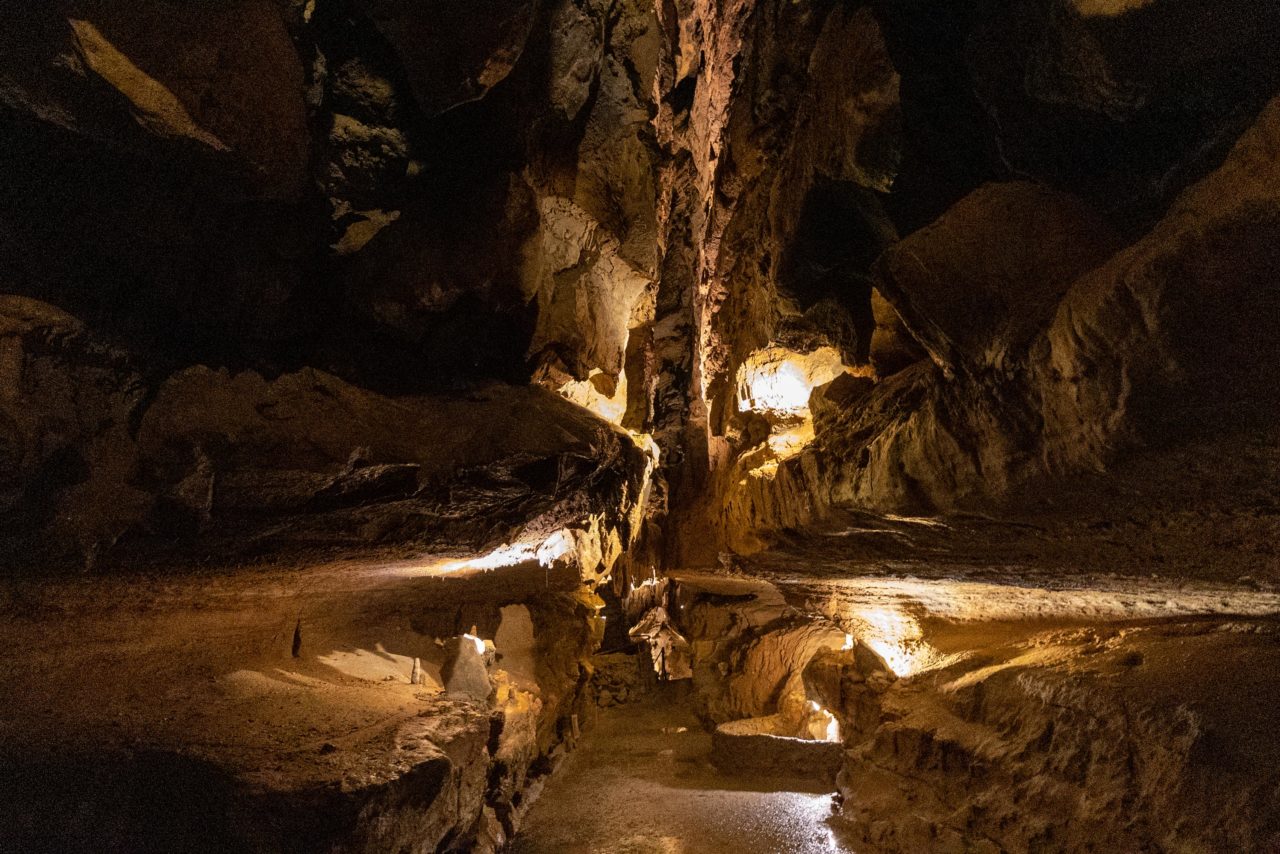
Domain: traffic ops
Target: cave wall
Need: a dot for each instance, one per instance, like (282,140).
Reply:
(628,203)
(582,290)
(205,205)
(1008,227)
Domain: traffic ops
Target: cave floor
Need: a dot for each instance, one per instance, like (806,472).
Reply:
(641,782)
(201,663)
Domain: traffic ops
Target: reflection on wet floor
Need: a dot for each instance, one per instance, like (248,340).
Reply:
(640,782)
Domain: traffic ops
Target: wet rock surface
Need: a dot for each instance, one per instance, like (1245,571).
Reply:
(646,768)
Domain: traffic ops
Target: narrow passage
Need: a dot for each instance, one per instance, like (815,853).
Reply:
(641,782)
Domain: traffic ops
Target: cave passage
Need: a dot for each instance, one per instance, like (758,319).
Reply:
(642,780)
(682,426)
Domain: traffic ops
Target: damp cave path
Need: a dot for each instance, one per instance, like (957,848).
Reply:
(636,784)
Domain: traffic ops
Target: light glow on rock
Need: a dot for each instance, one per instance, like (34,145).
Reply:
(824,725)
(545,553)
(776,383)
(777,387)
(587,394)
(896,636)
(478,642)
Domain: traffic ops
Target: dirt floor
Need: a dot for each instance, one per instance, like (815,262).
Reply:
(279,681)
(641,782)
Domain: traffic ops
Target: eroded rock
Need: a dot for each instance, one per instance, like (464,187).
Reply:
(980,283)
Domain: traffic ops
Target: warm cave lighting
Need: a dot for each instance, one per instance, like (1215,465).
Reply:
(897,638)
(587,394)
(776,383)
(545,553)
(827,727)
(779,388)
(651,581)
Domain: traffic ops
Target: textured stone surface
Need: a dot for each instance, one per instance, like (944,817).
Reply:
(980,283)
(453,53)
(205,81)
(282,718)
(1183,313)
(301,280)
(209,462)
(1011,761)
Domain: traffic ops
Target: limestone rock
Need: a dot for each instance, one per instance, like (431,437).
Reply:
(1178,322)
(1007,757)
(577,43)
(66,403)
(754,746)
(303,459)
(591,264)
(464,671)
(976,287)
(208,80)
(842,393)
(1124,101)
(892,345)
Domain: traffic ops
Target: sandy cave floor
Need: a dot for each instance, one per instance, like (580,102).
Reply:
(213,673)
(640,782)
(202,663)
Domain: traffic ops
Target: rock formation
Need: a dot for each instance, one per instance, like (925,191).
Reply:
(384,358)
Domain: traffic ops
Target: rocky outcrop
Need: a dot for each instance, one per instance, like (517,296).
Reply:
(1125,101)
(450,54)
(1072,740)
(67,409)
(209,83)
(1178,324)
(213,463)
(977,286)
(1099,351)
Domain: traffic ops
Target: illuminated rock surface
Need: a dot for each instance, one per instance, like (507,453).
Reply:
(397,394)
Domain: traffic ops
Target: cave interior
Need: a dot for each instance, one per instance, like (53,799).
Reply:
(638,426)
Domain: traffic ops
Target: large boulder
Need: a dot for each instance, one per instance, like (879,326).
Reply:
(1181,323)
(976,286)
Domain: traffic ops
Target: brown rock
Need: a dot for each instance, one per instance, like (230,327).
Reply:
(1122,100)
(975,287)
(66,403)
(1180,324)
(463,671)
(892,345)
